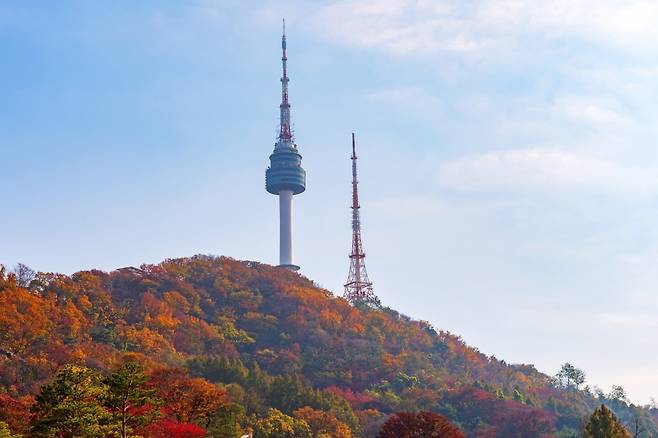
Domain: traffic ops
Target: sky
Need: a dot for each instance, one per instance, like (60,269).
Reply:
(508,165)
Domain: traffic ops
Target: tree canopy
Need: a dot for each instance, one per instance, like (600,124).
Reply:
(421,424)
(213,345)
(604,424)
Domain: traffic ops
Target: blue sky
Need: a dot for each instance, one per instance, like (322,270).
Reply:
(509,173)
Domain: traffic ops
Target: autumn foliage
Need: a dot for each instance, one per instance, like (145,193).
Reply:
(168,428)
(16,412)
(186,398)
(323,424)
(422,424)
(230,347)
(604,424)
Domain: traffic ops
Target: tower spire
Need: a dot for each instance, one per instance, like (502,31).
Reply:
(358,289)
(285,133)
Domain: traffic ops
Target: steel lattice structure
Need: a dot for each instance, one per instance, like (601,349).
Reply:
(358,289)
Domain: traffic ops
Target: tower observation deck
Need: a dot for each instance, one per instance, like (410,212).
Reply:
(285,176)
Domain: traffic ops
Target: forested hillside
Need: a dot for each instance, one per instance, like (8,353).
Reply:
(220,347)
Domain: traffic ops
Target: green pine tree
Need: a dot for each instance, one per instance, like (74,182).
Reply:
(604,424)
(227,421)
(126,394)
(69,406)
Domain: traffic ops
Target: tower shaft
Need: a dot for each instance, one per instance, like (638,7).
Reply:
(358,289)
(285,228)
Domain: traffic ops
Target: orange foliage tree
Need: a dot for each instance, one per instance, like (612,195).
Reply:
(323,424)
(187,399)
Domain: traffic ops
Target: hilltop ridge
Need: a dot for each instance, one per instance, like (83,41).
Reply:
(272,338)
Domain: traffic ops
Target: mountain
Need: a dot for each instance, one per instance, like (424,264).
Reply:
(270,338)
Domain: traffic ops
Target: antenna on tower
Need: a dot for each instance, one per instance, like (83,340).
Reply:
(285,133)
(358,289)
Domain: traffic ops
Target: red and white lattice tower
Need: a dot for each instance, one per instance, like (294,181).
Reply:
(358,289)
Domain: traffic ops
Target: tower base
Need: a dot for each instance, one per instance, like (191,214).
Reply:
(291,267)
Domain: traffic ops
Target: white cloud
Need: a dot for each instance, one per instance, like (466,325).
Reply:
(413,26)
(545,169)
(590,110)
(399,26)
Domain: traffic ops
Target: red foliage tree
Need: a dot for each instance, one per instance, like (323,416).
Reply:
(421,424)
(167,428)
(16,412)
(356,399)
(525,423)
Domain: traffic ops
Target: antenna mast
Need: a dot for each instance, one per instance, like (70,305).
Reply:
(285,133)
(358,289)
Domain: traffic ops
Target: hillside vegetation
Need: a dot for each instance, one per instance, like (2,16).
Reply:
(256,344)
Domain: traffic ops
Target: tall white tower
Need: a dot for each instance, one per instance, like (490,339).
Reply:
(285,176)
